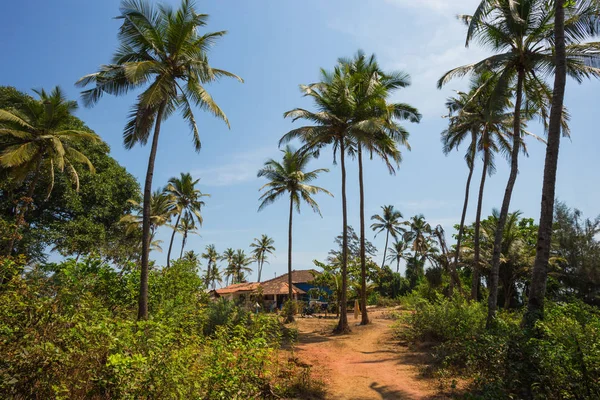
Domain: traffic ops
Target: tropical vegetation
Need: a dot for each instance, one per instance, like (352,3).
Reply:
(93,309)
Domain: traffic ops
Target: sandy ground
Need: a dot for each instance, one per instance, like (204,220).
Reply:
(366,364)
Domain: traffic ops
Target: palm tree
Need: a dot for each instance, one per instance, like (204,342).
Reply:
(161,211)
(241,264)
(162,50)
(36,140)
(262,247)
(333,120)
(388,221)
(417,234)
(186,200)
(398,251)
(192,257)
(290,177)
(215,276)
(377,132)
(488,124)
(568,33)
(228,256)
(211,256)
(522,36)
(452,137)
(442,257)
(186,226)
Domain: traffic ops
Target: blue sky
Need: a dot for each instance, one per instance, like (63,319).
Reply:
(274,46)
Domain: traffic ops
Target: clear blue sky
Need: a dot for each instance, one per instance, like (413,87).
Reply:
(274,46)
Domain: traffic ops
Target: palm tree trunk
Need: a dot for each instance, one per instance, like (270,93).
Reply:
(363,261)
(20,212)
(514,169)
(183,244)
(290,316)
(342,326)
(143,299)
(387,238)
(398,265)
(537,291)
(477,237)
(462,226)
(172,238)
(260,265)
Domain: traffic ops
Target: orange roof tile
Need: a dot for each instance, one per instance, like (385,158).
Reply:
(238,287)
(277,287)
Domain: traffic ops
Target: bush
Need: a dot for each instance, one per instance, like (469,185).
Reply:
(444,320)
(222,312)
(68,331)
(237,362)
(558,359)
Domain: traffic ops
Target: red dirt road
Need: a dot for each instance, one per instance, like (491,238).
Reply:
(366,364)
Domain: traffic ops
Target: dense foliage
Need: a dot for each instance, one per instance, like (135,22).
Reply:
(70,221)
(68,331)
(558,359)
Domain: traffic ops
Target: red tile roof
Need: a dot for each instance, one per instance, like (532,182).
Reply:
(273,286)
(302,276)
(277,287)
(238,287)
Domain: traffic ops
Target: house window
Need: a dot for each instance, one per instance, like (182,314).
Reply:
(269,297)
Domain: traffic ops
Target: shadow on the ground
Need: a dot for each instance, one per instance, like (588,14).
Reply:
(388,393)
(313,337)
(379,352)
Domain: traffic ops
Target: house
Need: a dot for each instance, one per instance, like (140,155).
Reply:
(238,291)
(274,292)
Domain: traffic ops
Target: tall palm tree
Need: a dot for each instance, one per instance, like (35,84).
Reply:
(521,35)
(417,234)
(566,36)
(262,247)
(488,123)
(228,256)
(36,140)
(186,200)
(377,132)
(289,177)
(212,257)
(452,137)
(398,252)
(390,222)
(333,121)
(161,50)
(186,226)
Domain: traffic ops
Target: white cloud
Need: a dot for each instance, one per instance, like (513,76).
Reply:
(427,56)
(241,168)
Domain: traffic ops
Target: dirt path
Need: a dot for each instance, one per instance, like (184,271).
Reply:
(366,364)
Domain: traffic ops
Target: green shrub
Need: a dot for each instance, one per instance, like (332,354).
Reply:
(237,362)
(68,331)
(443,320)
(411,300)
(558,359)
(222,312)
